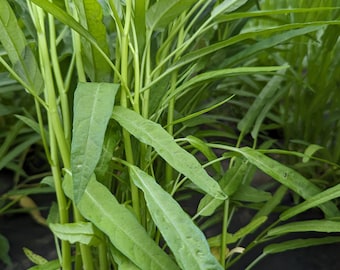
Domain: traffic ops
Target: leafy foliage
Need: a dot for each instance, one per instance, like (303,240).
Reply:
(137,103)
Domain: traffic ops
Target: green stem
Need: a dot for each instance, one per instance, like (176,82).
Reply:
(224,233)
(56,134)
(123,103)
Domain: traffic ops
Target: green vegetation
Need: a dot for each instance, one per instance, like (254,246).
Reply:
(139,106)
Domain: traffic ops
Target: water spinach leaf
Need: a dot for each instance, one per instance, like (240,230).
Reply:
(93,104)
(153,134)
(100,207)
(184,238)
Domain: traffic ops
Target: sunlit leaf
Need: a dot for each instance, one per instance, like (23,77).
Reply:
(80,232)
(153,134)
(100,207)
(93,104)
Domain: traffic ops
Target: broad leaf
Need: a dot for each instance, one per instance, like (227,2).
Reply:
(93,104)
(184,238)
(18,50)
(153,134)
(100,207)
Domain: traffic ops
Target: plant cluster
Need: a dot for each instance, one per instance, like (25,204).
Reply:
(140,107)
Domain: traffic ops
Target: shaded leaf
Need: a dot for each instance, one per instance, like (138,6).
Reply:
(229,183)
(316,200)
(153,134)
(4,249)
(300,243)
(326,226)
(286,176)
(162,12)
(91,17)
(184,238)
(18,50)
(227,6)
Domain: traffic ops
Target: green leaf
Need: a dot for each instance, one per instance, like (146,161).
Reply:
(270,41)
(316,200)
(80,232)
(184,238)
(262,104)
(286,176)
(93,104)
(153,134)
(205,150)
(51,265)
(227,6)
(229,183)
(100,207)
(310,150)
(91,17)
(4,249)
(17,150)
(18,50)
(326,226)
(251,194)
(30,122)
(35,258)
(161,13)
(221,73)
(244,231)
(123,262)
(299,243)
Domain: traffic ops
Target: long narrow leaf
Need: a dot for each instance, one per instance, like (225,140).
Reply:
(91,17)
(267,94)
(227,6)
(153,134)
(320,198)
(300,243)
(287,177)
(100,207)
(326,226)
(93,104)
(184,238)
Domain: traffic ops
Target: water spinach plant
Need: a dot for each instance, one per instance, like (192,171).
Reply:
(125,99)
